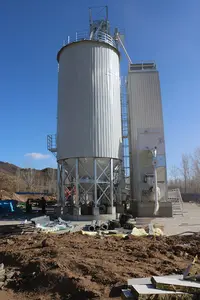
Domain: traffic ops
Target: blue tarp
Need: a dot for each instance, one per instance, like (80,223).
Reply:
(32,193)
(7,206)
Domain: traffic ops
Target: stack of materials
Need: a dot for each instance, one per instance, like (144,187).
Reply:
(162,287)
(44,224)
(15,229)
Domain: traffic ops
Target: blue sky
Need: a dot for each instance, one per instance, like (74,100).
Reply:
(32,32)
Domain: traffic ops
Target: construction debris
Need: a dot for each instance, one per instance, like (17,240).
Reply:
(173,284)
(139,232)
(192,272)
(147,280)
(75,266)
(10,230)
(44,224)
(144,292)
(126,294)
(6,275)
(161,287)
(43,220)
(130,224)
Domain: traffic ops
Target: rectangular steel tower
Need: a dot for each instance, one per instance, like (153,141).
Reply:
(146,131)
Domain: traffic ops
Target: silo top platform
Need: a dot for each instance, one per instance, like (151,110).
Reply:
(102,38)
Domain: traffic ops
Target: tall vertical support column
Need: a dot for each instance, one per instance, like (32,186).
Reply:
(95,181)
(111,182)
(77,181)
(58,183)
(62,185)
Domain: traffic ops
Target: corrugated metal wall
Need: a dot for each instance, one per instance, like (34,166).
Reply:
(145,111)
(89,114)
(144,100)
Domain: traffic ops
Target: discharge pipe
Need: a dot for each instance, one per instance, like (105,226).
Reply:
(156,207)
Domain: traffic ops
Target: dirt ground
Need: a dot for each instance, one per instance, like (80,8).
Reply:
(75,266)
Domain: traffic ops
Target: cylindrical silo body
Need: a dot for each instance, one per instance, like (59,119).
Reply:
(89,113)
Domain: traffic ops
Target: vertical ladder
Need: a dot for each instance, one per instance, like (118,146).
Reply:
(125,134)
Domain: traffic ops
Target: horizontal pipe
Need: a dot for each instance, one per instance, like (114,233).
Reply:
(91,228)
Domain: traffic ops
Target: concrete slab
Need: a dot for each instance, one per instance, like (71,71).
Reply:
(173,284)
(172,226)
(147,280)
(143,292)
(111,210)
(146,209)
(178,224)
(95,211)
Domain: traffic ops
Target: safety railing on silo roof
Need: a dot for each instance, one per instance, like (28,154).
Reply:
(84,35)
(125,131)
(52,143)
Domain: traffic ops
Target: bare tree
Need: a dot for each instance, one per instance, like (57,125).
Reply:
(51,173)
(18,180)
(174,177)
(185,170)
(196,170)
(28,176)
(175,173)
(187,177)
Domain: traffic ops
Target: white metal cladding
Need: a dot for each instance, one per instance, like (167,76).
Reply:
(89,113)
(145,111)
(148,139)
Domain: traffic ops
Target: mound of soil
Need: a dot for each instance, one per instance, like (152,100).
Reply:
(5,195)
(75,266)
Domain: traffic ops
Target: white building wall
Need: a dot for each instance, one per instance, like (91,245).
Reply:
(145,113)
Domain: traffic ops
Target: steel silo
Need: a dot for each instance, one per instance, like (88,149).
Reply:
(89,119)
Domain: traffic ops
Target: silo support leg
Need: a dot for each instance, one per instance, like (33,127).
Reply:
(95,182)
(62,191)
(61,178)
(77,181)
(111,182)
(58,184)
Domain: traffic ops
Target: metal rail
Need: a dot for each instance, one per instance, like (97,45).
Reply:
(85,36)
(52,143)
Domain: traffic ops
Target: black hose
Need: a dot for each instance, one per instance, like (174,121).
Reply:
(104,226)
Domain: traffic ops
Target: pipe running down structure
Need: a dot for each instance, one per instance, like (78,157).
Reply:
(156,207)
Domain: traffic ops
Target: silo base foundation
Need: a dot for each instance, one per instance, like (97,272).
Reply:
(89,186)
(95,211)
(65,214)
(146,209)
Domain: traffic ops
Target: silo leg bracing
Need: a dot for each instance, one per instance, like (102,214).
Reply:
(90,189)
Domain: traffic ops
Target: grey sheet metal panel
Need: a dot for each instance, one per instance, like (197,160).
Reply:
(145,107)
(145,112)
(89,113)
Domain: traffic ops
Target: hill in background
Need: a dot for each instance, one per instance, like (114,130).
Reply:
(16,179)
